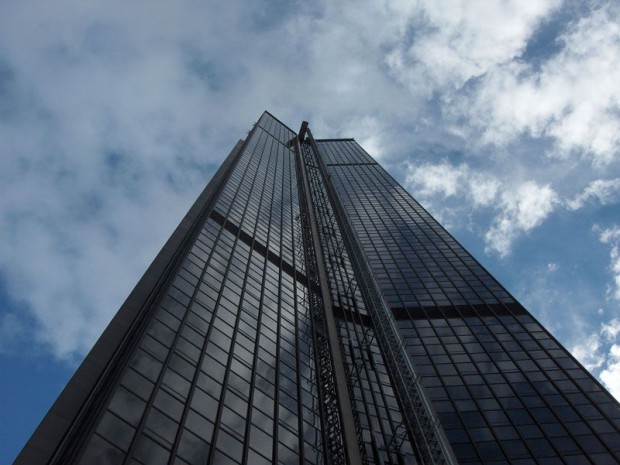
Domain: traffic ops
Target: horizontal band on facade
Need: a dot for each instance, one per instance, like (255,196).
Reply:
(458,311)
(258,247)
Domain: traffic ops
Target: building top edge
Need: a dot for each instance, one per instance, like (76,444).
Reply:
(279,121)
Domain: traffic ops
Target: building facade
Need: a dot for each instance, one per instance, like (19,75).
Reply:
(308,310)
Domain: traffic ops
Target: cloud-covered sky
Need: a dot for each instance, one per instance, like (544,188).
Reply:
(502,118)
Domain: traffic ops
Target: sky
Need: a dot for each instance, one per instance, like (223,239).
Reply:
(501,117)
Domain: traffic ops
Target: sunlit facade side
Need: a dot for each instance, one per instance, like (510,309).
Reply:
(504,390)
(308,310)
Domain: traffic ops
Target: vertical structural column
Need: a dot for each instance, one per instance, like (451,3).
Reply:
(339,430)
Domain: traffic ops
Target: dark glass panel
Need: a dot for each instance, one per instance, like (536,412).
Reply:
(192,448)
(232,446)
(161,426)
(168,404)
(261,441)
(116,431)
(127,406)
(137,384)
(150,452)
(100,452)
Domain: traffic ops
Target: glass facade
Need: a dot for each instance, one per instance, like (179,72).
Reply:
(504,389)
(223,355)
(223,373)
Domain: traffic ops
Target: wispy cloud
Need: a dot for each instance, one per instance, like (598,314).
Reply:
(517,208)
(448,180)
(104,131)
(450,42)
(605,191)
(600,352)
(522,209)
(611,236)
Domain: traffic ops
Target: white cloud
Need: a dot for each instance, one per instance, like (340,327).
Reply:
(611,374)
(518,208)
(552,267)
(608,235)
(588,352)
(615,269)
(611,236)
(521,210)
(573,98)
(451,41)
(600,352)
(484,188)
(611,330)
(606,191)
(427,180)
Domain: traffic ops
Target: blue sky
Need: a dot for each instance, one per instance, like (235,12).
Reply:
(502,118)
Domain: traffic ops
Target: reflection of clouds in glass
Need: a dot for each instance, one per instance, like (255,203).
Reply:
(127,406)
(230,444)
(261,441)
(161,425)
(233,419)
(168,404)
(146,364)
(115,430)
(99,451)
(176,382)
(194,449)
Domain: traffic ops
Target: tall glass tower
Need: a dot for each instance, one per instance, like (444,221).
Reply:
(308,310)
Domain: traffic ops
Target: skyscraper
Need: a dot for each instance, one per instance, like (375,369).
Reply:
(308,310)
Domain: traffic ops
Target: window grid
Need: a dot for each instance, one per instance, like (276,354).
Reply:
(503,387)
(187,401)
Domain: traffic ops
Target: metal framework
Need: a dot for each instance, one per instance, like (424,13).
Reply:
(338,432)
(422,423)
(333,251)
